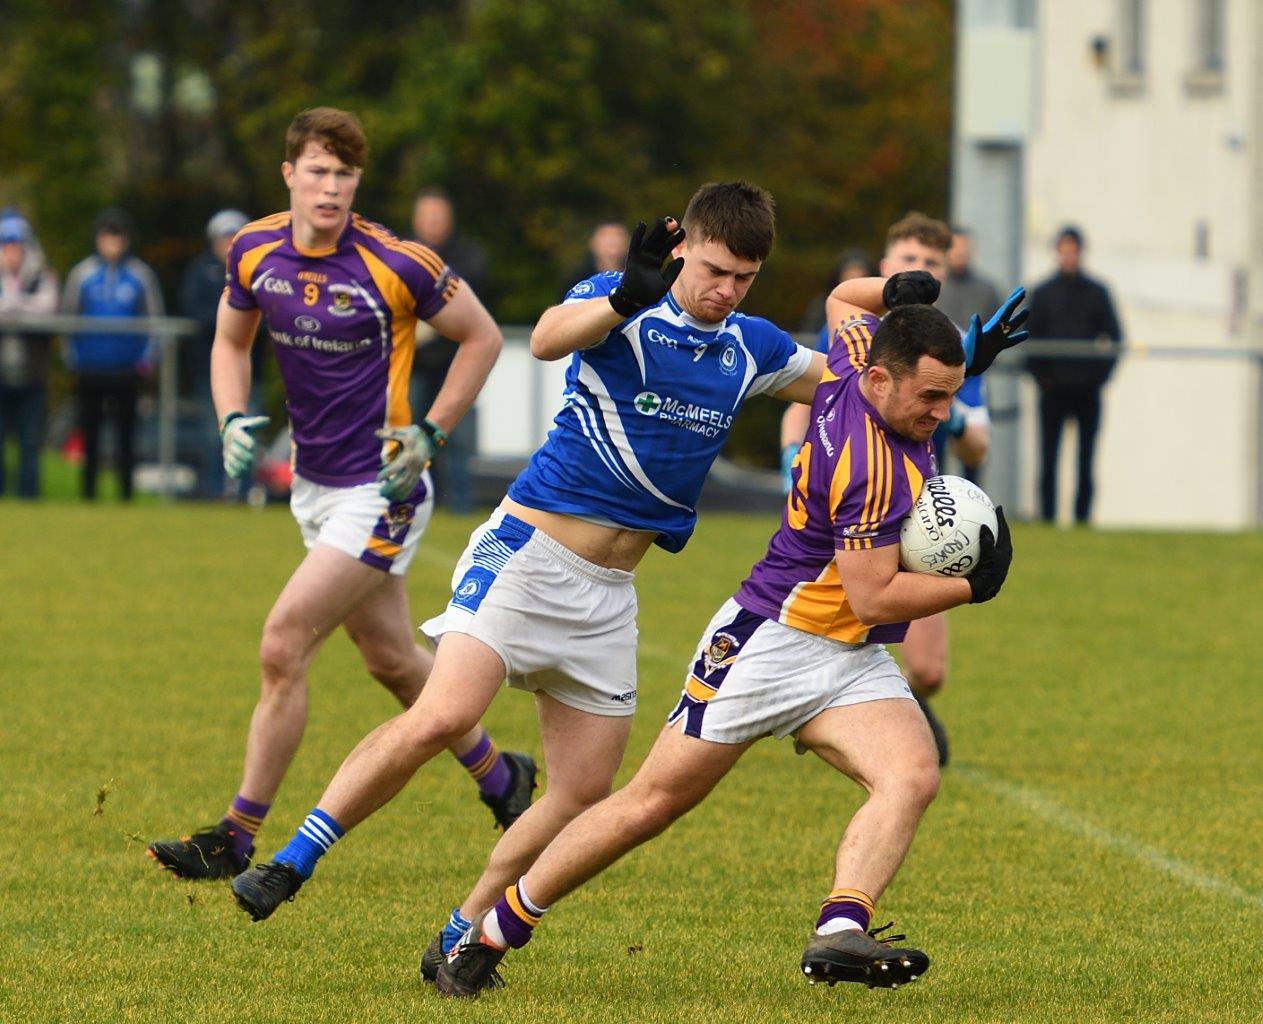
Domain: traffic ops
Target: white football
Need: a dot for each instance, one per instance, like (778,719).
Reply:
(943,533)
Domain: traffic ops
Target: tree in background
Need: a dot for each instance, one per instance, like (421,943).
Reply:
(539,116)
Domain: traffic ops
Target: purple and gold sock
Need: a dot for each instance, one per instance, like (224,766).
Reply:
(487,765)
(843,906)
(244,819)
(513,918)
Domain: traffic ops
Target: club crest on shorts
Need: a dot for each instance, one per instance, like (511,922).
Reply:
(720,651)
(398,518)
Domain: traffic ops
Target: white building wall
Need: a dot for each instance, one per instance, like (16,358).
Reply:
(1138,165)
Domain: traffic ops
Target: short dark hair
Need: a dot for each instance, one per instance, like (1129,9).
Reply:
(907,333)
(739,214)
(925,230)
(339,131)
(114,220)
(1070,233)
(433,192)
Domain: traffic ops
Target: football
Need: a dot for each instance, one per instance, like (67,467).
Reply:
(943,533)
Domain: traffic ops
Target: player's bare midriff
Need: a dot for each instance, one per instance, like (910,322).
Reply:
(608,546)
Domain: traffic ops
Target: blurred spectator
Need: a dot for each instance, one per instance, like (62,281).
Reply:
(1070,306)
(965,292)
(851,263)
(110,367)
(27,288)
(434,225)
(607,250)
(200,292)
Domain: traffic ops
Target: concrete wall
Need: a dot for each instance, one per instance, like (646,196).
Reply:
(1153,169)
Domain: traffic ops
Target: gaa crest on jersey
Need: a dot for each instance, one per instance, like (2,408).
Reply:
(728,359)
(341,304)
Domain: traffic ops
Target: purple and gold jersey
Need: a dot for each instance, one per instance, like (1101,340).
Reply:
(854,482)
(342,322)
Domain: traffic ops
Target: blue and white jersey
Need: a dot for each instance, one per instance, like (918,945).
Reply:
(647,409)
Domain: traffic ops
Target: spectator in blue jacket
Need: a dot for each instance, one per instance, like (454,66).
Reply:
(109,366)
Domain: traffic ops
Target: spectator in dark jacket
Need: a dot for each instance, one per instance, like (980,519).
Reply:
(110,366)
(27,288)
(1070,306)
(965,291)
(200,292)
(434,225)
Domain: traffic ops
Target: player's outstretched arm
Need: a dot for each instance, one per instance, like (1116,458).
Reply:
(853,298)
(464,320)
(646,278)
(562,330)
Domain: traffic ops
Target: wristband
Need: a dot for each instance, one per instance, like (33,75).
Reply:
(434,432)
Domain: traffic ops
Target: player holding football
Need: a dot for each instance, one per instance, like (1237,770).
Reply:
(341,297)
(918,242)
(799,649)
(660,363)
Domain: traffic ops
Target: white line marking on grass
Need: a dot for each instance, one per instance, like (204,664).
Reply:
(1052,812)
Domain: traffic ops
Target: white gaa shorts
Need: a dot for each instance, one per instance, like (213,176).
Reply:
(359,521)
(560,624)
(753,677)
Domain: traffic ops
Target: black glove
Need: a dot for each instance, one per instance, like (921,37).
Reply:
(993,562)
(909,288)
(645,280)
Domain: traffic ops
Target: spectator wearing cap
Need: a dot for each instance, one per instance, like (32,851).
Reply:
(27,288)
(109,367)
(200,291)
(1071,307)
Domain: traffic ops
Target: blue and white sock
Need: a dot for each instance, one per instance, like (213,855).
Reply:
(452,931)
(315,835)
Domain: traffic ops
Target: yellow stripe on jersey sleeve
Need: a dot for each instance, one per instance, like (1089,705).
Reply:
(403,325)
(250,260)
(841,480)
(915,480)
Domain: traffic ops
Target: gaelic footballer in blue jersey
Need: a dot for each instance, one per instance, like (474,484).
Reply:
(660,364)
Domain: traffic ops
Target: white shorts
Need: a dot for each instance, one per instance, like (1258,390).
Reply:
(359,521)
(560,624)
(753,677)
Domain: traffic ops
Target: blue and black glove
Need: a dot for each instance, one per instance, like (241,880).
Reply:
(983,342)
(645,279)
(236,432)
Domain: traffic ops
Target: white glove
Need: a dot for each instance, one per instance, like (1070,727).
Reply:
(406,453)
(239,444)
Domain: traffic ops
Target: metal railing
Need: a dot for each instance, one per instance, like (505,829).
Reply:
(167,331)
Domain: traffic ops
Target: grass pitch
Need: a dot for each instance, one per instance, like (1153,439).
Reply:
(1095,853)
